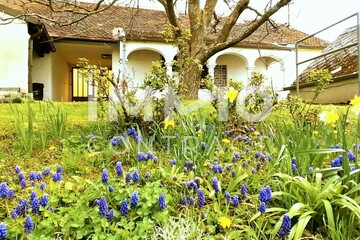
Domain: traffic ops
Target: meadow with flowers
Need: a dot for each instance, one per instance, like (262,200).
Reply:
(293,175)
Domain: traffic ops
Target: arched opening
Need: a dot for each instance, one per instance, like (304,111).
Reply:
(272,69)
(229,67)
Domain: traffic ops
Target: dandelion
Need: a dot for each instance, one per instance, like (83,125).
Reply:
(29,225)
(162,202)
(224,222)
(285,227)
(3,230)
(124,207)
(119,169)
(110,215)
(226,141)
(329,117)
(262,207)
(201,198)
(105,176)
(103,207)
(134,199)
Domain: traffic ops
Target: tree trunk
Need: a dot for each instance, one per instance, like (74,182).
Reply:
(190,83)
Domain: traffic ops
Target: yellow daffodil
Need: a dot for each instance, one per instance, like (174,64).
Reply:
(232,94)
(329,117)
(52,148)
(225,140)
(355,101)
(168,122)
(224,222)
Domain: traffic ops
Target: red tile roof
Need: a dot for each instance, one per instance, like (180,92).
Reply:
(144,24)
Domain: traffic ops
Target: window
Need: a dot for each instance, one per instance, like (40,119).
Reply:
(220,75)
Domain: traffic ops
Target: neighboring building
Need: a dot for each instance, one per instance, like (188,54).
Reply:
(343,66)
(57,50)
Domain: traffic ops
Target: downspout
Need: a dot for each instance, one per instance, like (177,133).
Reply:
(30,57)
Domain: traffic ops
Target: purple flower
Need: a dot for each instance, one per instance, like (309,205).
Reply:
(57,177)
(17,169)
(191,201)
(217,168)
(32,195)
(336,162)
(174,177)
(119,169)
(172,162)
(134,199)
(150,155)
(21,176)
(29,225)
(183,201)
(115,141)
(262,207)
(285,227)
(44,200)
(203,216)
(39,176)
(311,170)
(32,183)
(47,171)
(128,177)
(3,190)
(215,184)
(162,202)
(110,215)
(203,146)
(235,200)
(23,183)
(265,194)
(243,164)
(141,156)
(111,189)
(32,176)
(293,167)
(10,193)
(253,171)
(35,204)
(201,198)
(233,173)
(59,169)
(136,176)
(42,186)
(227,196)
(105,176)
(13,213)
(293,160)
(155,159)
(243,190)
(147,175)
(103,207)
(124,208)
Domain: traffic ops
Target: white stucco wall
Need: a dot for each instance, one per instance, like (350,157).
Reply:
(42,73)
(13,55)
(236,67)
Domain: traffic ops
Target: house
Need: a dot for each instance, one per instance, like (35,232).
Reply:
(41,52)
(343,66)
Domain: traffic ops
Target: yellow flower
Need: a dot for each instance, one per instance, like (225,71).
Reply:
(52,148)
(232,94)
(335,132)
(315,132)
(329,117)
(91,155)
(225,140)
(224,222)
(256,133)
(199,131)
(168,122)
(355,100)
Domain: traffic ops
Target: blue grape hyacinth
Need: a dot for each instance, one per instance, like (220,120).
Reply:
(42,186)
(235,200)
(162,202)
(3,230)
(128,177)
(103,207)
(119,169)
(29,225)
(17,169)
(44,200)
(215,184)
(262,207)
(134,199)
(110,215)
(47,171)
(136,176)
(183,201)
(105,176)
(285,227)
(124,208)
(3,190)
(265,194)
(201,198)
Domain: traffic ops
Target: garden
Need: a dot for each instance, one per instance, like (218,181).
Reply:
(293,175)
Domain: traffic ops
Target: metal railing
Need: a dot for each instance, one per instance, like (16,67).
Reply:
(357,15)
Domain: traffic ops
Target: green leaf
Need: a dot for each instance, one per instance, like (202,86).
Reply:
(321,151)
(329,214)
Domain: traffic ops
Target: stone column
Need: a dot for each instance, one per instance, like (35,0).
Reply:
(169,69)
